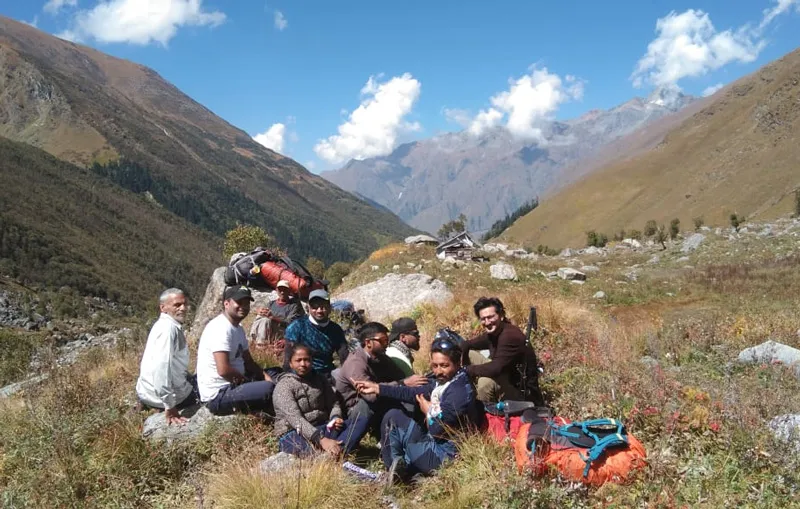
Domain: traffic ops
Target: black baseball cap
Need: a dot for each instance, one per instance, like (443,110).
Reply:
(236,293)
(402,326)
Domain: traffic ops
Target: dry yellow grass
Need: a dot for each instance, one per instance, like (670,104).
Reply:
(388,251)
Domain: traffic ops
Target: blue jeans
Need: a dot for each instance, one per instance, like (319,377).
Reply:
(406,439)
(351,434)
(244,398)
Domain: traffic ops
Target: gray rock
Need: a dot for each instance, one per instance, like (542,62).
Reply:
(771,352)
(374,267)
(395,267)
(11,389)
(70,352)
(787,429)
(590,268)
(631,243)
(692,243)
(571,274)
(411,265)
(155,427)
(566,253)
(718,231)
(594,251)
(577,282)
(210,306)
(551,275)
(682,259)
(516,253)
(494,248)
(283,461)
(649,361)
(599,295)
(654,259)
(503,271)
(395,294)
(705,229)
(421,239)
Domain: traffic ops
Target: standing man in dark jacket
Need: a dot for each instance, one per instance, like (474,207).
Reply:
(500,376)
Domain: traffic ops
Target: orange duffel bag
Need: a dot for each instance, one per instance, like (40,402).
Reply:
(593,452)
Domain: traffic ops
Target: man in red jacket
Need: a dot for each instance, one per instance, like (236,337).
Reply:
(500,376)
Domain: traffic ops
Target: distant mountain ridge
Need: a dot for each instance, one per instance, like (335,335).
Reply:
(88,108)
(431,181)
(737,153)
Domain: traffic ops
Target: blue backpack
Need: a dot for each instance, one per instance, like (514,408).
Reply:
(596,436)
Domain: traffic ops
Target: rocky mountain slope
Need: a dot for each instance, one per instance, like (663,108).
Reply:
(430,182)
(739,154)
(89,108)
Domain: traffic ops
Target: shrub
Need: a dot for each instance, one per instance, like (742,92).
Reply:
(596,239)
(316,267)
(650,228)
(698,222)
(636,235)
(336,273)
(797,202)
(674,228)
(245,238)
(736,221)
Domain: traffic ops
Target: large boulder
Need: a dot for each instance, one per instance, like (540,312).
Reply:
(503,271)
(772,352)
(199,418)
(422,239)
(211,305)
(692,243)
(394,295)
(571,274)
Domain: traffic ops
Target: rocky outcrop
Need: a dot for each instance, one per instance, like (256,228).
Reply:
(772,352)
(395,294)
(692,243)
(421,239)
(570,274)
(155,428)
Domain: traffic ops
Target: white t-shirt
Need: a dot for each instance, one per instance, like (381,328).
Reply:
(220,335)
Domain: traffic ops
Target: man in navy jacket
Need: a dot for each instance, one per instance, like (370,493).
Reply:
(448,403)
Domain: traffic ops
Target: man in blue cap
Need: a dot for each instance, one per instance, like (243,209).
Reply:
(318,332)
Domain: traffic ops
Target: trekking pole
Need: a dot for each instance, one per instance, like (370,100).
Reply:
(532,326)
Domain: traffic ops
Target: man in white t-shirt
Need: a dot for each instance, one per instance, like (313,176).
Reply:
(228,378)
(164,381)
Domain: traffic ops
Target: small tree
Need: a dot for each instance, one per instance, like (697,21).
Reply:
(698,222)
(650,228)
(661,236)
(636,235)
(336,273)
(453,227)
(736,221)
(596,239)
(316,267)
(674,228)
(245,238)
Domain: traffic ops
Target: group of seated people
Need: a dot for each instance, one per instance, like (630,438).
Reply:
(319,407)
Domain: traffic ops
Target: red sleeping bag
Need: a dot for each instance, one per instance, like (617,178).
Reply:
(272,272)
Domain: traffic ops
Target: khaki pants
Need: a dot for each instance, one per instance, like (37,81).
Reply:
(493,390)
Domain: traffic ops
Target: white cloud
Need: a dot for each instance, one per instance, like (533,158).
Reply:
(53,6)
(688,45)
(457,116)
(280,21)
(34,23)
(373,128)
(529,101)
(712,89)
(273,138)
(140,21)
(780,7)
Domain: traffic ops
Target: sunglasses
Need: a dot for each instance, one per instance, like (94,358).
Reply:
(442,345)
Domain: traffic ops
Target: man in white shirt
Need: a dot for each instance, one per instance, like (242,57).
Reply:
(228,378)
(164,381)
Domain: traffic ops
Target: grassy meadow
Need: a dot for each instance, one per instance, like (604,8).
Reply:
(75,442)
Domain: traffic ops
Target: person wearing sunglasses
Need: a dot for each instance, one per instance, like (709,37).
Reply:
(448,403)
(498,378)
(370,363)
(403,340)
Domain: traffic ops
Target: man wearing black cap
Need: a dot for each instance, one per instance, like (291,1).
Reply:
(403,340)
(228,378)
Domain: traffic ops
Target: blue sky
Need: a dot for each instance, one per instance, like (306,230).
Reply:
(324,82)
